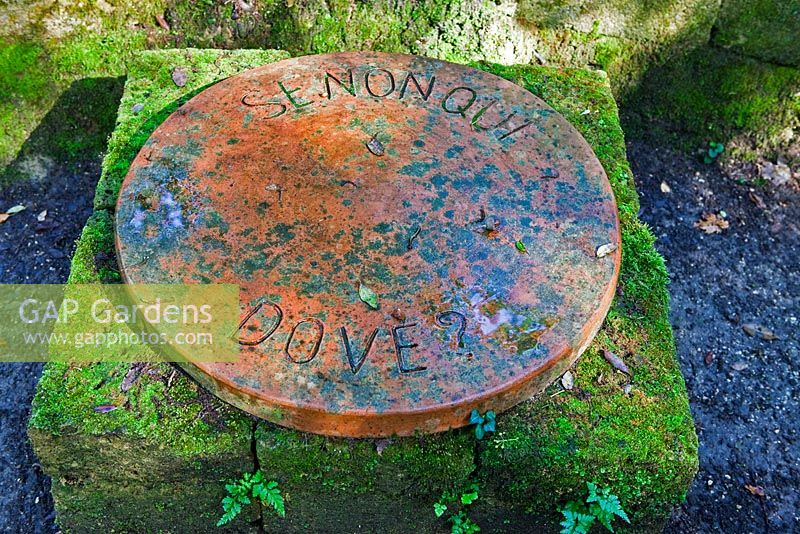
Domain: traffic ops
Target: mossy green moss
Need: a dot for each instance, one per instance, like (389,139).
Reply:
(763,29)
(389,479)
(642,443)
(714,95)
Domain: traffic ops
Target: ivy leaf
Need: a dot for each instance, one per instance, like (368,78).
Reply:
(439,509)
(368,296)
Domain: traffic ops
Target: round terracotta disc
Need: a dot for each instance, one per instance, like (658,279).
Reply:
(413,239)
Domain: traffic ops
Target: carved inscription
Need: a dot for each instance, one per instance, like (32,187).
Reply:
(306,337)
(381,83)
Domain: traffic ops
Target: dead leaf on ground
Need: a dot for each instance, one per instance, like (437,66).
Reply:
(711,223)
(777,173)
(758,201)
(131,376)
(616,362)
(162,21)
(755,490)
(752,329)
(16,209)
(739,366)
(709,357)
(4,217)
(179,76)
(665,188)
(568,381)
(42,216)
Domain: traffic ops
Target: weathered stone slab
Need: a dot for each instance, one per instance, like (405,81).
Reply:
(468,209)
(639,441)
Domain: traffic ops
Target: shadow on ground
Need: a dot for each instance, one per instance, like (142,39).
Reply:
(55,171)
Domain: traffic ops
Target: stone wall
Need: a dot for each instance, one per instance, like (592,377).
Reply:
(49,43)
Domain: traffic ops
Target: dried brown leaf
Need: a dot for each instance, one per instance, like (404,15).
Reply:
(4,217)
(711,223)
(755,490)
(381,444)
(605,250)
(162,21)
(616,362)
(753,329)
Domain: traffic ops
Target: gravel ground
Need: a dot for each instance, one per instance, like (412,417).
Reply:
(34,252)
(743,389)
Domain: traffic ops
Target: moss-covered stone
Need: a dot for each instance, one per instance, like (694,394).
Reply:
(167,445)
(714,95)
(764,29)
(381,486)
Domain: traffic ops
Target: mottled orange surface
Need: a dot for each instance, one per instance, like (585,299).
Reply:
(470,208)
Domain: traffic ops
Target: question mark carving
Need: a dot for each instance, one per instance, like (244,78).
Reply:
(450,318)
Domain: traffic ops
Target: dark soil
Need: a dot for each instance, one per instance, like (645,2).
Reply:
(34,252)
(743,390)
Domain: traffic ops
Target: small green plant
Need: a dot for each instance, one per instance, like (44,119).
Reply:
(601,505)
(251,486)
(460,523)
(484,424)
(713,152)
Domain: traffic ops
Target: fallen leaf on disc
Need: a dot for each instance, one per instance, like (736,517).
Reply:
(41,217)
(665,188)
(711,223)
(368,296)
(4,217)
(16,209)
(739,366)
(616,361)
